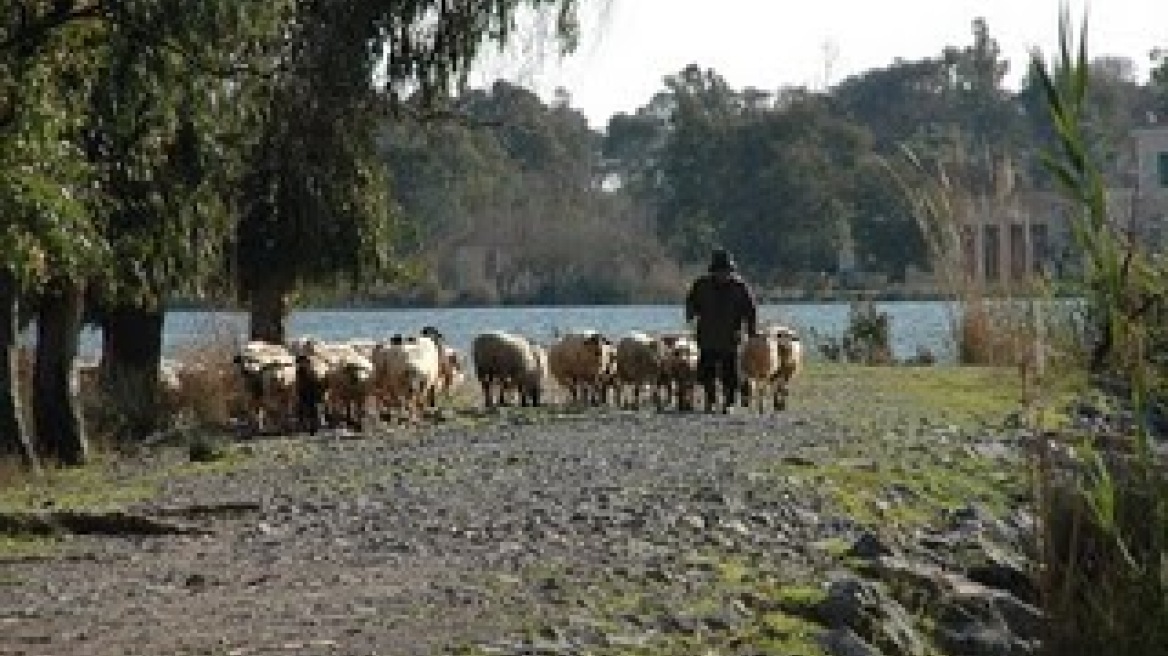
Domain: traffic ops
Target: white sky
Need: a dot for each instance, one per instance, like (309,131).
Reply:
(629,46)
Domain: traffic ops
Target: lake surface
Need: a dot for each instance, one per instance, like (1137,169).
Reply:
(913,323)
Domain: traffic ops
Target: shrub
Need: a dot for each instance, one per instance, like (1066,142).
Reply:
(209,393)
(868,338)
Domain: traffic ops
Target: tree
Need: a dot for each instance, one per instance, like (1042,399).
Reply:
(1115,103)
(315,205)
(887,236)
(693,169)
(632,148)
(170,98)
(902,103)
(47,237)
(92,132)
(975,75)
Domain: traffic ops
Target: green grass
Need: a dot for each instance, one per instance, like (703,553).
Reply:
(957,395)
(103,485)
(796,598)
(17,547)
(907,456)
(95,486)
(907,494)
(785,634)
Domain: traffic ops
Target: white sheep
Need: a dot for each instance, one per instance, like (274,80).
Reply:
(407,369)
(268,373)
(506,362)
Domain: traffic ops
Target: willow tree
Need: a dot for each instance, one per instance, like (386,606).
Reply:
(167,120)
(316,207)
(48,244)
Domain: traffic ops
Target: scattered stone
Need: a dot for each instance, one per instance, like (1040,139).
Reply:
(601,529)
(864,607)
(868,546)
(844,642)
(1000,571)
(196,581)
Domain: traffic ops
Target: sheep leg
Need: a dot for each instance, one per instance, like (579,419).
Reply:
(780,400)
(485,383)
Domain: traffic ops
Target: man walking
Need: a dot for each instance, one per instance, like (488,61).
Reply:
(721,303)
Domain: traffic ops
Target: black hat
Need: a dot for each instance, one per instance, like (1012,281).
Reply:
(721,261)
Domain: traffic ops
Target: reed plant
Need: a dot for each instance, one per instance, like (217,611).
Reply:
(950,193)
(1103,513)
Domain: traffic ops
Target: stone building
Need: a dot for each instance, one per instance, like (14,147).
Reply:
(1011,242)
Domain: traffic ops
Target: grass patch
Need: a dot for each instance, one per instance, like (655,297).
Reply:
(781,633)
(106,485)
(908,494)
(958,395)
(91,487)
(912,451)
(17,547)
(799,599)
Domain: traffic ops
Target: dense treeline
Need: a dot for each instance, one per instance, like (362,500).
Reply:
(161,149)
(781,177)
(505,204)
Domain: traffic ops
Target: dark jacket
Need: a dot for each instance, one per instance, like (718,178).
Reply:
(722,303)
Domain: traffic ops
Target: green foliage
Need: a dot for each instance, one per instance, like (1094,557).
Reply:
(315,203)
(1159,80)
(868,337)
(44,184)
(164,112)
(771,182)
(517,181)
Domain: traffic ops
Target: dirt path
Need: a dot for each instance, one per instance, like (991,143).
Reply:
(528,533)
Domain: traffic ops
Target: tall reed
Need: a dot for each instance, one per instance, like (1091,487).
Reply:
(951,193)
(1104,514)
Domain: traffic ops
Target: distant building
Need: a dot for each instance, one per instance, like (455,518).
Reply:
(1014,241)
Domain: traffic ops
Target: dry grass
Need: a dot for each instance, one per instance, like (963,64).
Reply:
(953,194)
(210,393)
(999,334)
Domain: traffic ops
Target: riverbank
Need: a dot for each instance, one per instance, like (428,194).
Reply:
(887,507)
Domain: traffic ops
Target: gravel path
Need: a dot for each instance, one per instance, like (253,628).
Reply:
(522,533)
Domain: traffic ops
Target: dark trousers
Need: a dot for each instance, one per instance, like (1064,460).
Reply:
(309,396)
(718,365)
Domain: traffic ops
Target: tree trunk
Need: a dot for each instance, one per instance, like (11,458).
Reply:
(268,309)
(60,433)
(131,352)
(14,438)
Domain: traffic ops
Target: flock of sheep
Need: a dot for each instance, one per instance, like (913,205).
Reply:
(308,380)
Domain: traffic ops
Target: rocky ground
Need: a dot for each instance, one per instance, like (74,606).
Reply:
(884,513)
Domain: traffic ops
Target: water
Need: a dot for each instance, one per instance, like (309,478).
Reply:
(913,323)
